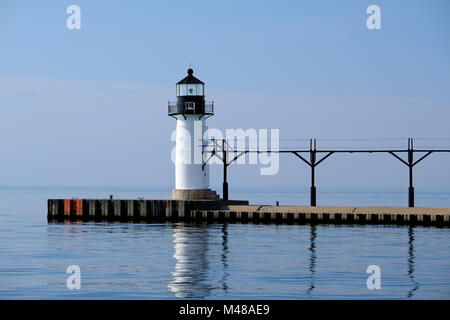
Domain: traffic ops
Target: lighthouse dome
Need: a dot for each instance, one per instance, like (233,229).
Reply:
(191,98)
(190,86)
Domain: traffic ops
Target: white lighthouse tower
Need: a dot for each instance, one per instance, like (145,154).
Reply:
(191,110)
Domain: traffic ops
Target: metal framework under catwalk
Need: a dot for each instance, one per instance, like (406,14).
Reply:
(222,149)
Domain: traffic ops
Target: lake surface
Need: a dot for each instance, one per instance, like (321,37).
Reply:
(219,261)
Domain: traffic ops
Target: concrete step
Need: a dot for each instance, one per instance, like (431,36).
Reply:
(194,194)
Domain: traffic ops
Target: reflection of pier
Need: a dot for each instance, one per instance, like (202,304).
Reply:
(411,262)
(313,258)
(201,261)
(190,278)
(312,263)
(224,256)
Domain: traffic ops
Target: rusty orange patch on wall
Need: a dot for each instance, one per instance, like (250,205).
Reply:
(73,207)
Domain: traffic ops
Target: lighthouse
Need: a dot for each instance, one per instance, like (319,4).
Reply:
(191,111)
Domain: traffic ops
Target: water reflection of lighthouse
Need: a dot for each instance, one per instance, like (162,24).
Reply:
(190,277)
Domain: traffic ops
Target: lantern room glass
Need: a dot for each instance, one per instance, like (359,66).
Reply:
(190,90)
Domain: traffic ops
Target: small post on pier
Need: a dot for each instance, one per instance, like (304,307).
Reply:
(312,163)
(225,165)
(312,153)
(410,165)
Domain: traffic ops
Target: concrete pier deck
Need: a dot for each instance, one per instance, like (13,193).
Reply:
(239,212)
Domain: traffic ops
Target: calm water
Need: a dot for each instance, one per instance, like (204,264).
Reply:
(216,261)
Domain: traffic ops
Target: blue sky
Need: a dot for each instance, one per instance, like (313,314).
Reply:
(88,107)
(301,46)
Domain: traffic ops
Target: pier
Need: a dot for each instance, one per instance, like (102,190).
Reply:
(193,200)
(238,212)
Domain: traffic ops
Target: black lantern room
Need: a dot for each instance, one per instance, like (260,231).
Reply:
(190,97)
